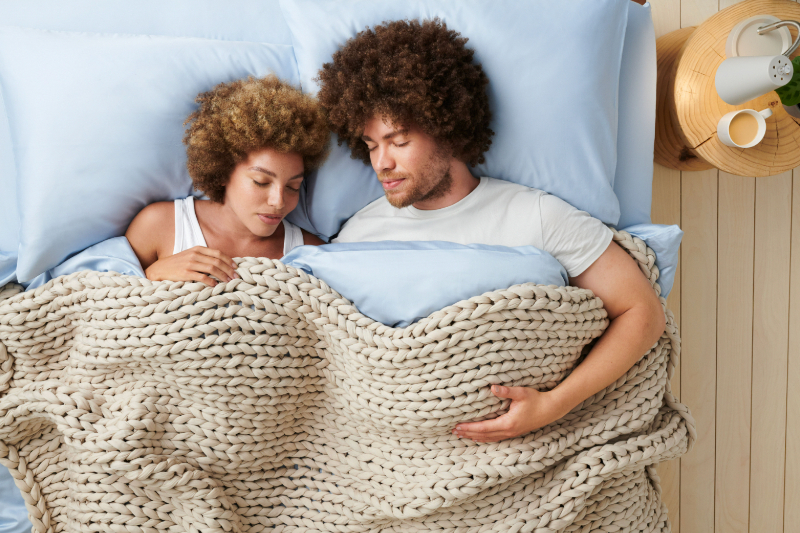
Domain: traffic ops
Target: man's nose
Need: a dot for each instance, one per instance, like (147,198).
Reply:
(383,160)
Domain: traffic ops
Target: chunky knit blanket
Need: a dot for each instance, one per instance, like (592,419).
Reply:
(271,404)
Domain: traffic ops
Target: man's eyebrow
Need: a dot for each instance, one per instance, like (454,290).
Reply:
(387,136)
(270,173)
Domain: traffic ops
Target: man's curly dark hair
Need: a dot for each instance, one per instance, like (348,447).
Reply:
(411,73)
(243,116)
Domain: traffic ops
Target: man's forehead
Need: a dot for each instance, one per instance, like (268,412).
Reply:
(383,127)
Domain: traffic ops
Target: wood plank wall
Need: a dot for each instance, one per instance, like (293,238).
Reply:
(737,303)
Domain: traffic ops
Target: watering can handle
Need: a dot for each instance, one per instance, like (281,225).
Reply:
(775,25)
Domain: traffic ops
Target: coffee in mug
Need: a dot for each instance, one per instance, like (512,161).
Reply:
(743,128)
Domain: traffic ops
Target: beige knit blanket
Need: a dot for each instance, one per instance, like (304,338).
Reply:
(270,404)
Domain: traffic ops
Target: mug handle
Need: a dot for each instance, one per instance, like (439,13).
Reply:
(766,113)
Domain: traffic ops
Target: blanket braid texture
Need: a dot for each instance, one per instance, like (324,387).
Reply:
(271,404)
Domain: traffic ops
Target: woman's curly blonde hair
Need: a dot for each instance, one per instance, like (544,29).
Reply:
(243,116)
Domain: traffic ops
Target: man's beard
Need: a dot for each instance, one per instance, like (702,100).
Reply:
(432,182)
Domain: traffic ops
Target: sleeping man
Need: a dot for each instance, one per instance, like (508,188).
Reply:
(408,99)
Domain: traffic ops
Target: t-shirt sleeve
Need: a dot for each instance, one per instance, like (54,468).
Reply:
(574,237)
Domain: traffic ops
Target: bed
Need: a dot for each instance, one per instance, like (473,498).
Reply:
(299,398)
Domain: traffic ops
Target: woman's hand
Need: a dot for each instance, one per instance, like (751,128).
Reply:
(529,410)
(194,264)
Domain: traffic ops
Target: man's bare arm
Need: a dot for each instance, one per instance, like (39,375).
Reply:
(637,321)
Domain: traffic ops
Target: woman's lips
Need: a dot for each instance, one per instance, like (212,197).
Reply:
(388,185)
(270,219)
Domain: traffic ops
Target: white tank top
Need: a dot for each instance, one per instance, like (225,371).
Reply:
(188,233)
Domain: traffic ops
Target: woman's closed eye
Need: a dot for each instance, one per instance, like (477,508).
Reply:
(295,188)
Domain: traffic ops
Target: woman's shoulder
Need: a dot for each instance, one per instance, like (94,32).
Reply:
(153,215)
(152,230)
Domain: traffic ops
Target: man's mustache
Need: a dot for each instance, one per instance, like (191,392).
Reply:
(391,176)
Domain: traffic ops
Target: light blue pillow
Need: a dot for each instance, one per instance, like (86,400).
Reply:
(208,19)
(553,71)
(665,241)
(633,181)
(435,274)
(9,216)
(8,265)
(112,255)
(96,147)
(233,20)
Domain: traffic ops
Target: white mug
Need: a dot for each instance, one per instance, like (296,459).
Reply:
(742,127)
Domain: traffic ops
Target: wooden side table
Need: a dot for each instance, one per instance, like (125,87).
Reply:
(688,107)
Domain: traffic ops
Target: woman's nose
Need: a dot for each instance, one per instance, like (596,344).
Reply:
(276,197)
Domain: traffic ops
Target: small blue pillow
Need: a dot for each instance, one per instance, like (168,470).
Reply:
(397,283)
(8,265)
(95,148)
(112,255)
(553,71)
(9,215)
(633,181)
(207,19)
(665,241)
(13,514)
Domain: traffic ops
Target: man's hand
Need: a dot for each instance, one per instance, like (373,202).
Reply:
(529,410)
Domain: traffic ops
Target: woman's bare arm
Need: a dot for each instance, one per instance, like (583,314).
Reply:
(152,232)
(152,237)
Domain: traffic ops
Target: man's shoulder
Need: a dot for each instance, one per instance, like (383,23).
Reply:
(512,195)
(495,185)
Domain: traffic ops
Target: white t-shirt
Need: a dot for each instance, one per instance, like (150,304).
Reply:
(497,212)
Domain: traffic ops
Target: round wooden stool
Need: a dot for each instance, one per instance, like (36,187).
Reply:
(688,107)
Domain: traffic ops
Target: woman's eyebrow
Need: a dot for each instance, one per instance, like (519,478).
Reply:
(267,172)
(270,173)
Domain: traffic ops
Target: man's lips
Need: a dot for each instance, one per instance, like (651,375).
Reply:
(388,185)
(270,219)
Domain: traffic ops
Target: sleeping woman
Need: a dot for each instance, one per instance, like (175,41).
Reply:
(248,147)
